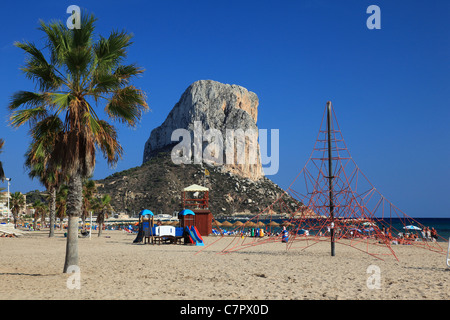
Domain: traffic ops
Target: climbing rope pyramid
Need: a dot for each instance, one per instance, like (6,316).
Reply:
(336,204)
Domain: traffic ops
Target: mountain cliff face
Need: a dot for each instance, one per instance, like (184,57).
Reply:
(234,187)
(214,105)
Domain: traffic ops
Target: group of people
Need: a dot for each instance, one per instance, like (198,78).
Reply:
(428,234)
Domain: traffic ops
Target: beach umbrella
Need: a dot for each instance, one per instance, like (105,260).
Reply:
(273,224)
(411,227)
(260,224)
(238,224)
(249,224)
(145,212)
(286,224)
(227,224)
(217,223)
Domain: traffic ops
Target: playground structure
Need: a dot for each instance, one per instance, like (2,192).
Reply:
(337,204)
(149,233)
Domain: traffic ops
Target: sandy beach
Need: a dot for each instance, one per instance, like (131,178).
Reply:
(112,267)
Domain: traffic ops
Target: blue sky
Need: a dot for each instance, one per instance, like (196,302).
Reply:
(389,87)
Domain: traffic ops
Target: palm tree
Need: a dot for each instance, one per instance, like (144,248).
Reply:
(89,190)
(39,208)
(16,203)
(39,162)
(44,211)
(61,199)
(81,72)
(2,173)
(102,207)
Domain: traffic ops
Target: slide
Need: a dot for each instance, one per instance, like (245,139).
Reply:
(195,236)
(144,228)
(140,235)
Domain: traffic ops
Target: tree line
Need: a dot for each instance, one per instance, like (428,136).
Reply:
(99,205)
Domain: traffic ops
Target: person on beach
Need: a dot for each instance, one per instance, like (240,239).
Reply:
(433,234)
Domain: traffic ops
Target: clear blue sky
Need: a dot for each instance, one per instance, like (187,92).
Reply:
(389,87)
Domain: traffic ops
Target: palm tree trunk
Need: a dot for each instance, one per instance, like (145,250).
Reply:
(74,203)
(100,221)
(100,229)
(15,214)
(52,211)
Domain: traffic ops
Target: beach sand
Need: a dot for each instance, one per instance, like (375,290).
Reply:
(112,267)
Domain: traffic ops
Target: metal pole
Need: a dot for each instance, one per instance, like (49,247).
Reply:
(448,253)
(90,226)
(330,177)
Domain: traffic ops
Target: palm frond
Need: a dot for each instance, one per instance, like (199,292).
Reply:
(125,72)
(82,37)
(2,173)
(58,40)
(20,117)
(46,130)
(111,51)
(38,69)
(77,61)
(27,99)
(127,105)
(107,141)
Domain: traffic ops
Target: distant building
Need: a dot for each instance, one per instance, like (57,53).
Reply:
(4,204)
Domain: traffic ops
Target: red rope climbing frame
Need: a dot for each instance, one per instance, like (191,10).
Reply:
(362,215)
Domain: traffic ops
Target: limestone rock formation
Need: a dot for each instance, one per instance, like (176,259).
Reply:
(223,107)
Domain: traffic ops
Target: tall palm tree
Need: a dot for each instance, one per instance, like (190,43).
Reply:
(16,203)
(82,72)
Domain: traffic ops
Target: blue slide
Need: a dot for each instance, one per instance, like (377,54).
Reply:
(195,236)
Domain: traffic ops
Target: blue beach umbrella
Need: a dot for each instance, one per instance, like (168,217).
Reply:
(185,212)
(145,212)
(411,227)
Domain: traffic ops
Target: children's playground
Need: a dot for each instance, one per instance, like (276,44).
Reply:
(186,233)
